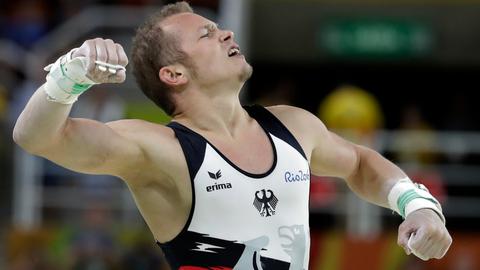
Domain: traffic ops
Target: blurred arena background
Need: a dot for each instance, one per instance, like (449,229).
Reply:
(400,76)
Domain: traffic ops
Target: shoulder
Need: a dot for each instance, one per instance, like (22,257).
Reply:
(158,144)
(138,130)
(287,110)
(146,134)
(307,128)
(127,125)
(297,118)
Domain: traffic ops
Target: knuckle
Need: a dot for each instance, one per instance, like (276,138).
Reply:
(447,241)
(399,239)
(119,48)
(87,45)
(123,61)
(402,227)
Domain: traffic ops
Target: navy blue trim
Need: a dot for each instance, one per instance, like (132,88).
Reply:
(193,149)
(249,174)
(170,254)
(273,125)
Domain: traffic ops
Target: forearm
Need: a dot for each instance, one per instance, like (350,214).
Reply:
(41,123)
(379,181)
(374,176)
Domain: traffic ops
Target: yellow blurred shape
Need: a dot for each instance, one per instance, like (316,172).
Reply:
(350,107)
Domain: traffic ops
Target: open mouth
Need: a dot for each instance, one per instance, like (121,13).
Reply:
(233,51)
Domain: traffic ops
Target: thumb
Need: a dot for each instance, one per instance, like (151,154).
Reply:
(415,244)
(404,233)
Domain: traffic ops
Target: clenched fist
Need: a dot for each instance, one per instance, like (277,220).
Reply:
(105,51)
(424,234)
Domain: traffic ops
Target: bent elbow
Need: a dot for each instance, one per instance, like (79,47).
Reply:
(19,136)
(24,141)
(31,143)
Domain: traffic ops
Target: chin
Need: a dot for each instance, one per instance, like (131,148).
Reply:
(246,73)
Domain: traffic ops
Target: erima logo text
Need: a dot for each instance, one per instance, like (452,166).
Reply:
(217,186)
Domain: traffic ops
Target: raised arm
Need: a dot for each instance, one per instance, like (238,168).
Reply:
(375,179)
(45,129)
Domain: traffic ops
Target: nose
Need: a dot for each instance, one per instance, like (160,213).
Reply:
(226,35)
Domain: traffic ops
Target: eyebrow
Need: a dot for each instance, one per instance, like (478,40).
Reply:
(208,26)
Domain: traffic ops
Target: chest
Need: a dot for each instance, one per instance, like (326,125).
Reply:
(251,153)
(282,190)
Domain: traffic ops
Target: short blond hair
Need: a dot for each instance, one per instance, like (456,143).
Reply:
(153,49)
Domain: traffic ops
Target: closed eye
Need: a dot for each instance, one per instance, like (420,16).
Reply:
(210,29)
(208,34)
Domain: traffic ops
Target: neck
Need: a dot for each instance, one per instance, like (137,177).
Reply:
(222,114)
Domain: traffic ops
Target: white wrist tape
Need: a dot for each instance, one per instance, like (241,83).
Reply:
(67,79)
(406,197)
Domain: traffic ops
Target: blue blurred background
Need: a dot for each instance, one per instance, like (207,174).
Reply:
(400,76)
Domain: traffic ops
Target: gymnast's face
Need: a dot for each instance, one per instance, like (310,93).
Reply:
(215,55)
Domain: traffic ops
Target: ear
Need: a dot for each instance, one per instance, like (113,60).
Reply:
(173,75)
